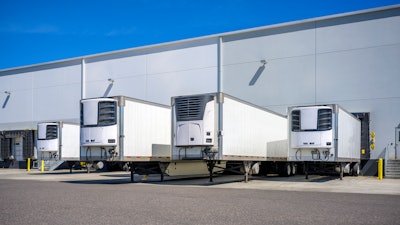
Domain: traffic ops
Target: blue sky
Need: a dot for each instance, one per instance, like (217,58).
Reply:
(38,31)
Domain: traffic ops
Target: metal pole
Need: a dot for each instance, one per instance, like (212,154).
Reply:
(121,121)
(380,168)
(28,166)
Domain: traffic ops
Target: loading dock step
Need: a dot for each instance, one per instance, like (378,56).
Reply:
(392,169)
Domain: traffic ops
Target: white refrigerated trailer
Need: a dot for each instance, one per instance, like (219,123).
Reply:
(130,132)
(325,137)
(121,129)
(57,142)
(222,129)
(133,133)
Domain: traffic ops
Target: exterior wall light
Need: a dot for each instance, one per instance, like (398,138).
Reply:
(263,62)
(258,72)
(110,80)
(7,93)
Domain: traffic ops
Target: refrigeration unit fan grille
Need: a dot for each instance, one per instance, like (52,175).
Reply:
(51,132)
(107,113)
(296,120)
(324,119)
(191,108)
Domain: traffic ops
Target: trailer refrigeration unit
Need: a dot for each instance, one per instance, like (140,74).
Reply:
(326,138)
(122,129)
(224,131)
(57,142)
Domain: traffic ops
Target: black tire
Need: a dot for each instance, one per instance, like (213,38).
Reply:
(341,171)
(356,170)
(286,170)
(293,169)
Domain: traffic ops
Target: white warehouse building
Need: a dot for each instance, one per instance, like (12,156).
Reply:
(350,59)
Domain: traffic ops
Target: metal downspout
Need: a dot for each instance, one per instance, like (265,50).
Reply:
(60,126)
(336,140)
(121,105)
(220,100)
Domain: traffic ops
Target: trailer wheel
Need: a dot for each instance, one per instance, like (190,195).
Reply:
(341,168)
(255,169)
(286,170)
(356,170)
(294,169)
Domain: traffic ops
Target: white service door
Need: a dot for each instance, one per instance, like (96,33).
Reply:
(18,148)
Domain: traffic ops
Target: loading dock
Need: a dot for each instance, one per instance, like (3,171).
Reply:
(16,147)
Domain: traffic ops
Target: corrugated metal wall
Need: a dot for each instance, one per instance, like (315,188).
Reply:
(352,61)
(349,60)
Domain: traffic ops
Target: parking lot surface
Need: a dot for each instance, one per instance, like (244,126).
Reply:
(110,198)
(315,183)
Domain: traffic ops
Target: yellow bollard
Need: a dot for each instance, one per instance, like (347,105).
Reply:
(42,167)
(28,165)
(380,168)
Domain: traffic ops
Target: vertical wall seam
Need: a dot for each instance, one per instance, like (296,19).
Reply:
(315,62)
(83,78)
(32,99)
(219,66)
(146,89)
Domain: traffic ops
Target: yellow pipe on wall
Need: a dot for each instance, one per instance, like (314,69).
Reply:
(380,168)
(42,167)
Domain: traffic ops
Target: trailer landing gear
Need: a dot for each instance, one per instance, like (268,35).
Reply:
(132,169)
(210,154)
(247,169)
(71,165)
(163,168)
(210,166)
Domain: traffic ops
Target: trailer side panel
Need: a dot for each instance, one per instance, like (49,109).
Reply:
(349,136)
(247,129)
(146,128)
(70,148)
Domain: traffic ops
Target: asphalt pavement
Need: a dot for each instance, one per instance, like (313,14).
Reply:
(110,198)
(315,183)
